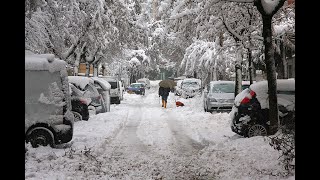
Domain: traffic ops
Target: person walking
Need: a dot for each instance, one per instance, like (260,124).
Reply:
(164,93)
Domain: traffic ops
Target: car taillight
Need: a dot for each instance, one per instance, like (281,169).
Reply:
(247,99)
(83,101)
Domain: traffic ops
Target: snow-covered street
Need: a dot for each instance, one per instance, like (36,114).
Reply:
(139,139)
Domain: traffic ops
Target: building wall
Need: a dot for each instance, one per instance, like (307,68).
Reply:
(82,68)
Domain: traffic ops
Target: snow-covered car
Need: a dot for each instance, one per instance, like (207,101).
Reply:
(115,93)
(79,103)
(219,96)
(86,85)
(136,88)
(146,81)
(249,114)
(48,116)
(103,88)
(188,87)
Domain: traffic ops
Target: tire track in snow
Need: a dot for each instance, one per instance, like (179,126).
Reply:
(183,143)
(126,142)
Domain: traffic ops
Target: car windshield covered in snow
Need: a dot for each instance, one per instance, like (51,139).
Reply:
(223,88)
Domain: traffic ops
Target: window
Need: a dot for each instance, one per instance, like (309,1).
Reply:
(223,88)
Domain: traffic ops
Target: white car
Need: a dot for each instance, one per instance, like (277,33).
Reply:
(219,96)
(188,87)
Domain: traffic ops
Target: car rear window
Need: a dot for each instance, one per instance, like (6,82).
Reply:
(113,85)
(223,88)
(136,85)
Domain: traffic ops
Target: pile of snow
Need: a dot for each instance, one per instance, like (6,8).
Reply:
(80,81)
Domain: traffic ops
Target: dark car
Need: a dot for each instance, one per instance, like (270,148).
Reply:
(86,86)
(79,103)
(249,114)
(136,88)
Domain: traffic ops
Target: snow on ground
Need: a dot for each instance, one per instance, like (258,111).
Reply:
(139,139)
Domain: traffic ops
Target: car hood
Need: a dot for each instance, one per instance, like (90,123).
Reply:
(221,95)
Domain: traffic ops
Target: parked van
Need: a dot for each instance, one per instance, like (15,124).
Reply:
(48,116)
(115,93)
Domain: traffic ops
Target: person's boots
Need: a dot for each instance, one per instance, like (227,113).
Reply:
(165,104)
(162,103)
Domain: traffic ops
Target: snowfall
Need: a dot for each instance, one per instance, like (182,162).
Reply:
(139,139)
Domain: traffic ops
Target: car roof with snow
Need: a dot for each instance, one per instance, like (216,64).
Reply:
(80,81)
(43,62)
(221,82)
(109,79)
(282,85)
(105,84)
(191,80)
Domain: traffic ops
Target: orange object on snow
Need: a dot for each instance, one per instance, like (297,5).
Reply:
(178,103)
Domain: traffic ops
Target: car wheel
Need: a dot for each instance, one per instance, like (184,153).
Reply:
(41,137)
(92,110)
(257,130)
(77,116)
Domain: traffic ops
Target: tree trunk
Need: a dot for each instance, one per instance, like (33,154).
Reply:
(283,60)
(250,66)
(103,69)
(95,70)
(87,69)
(271,73)
(238,83)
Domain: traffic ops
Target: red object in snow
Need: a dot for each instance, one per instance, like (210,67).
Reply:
(178,103)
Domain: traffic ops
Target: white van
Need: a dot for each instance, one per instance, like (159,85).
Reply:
(115,89)
(48,116)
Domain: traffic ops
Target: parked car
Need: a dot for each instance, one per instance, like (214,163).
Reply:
(219,96)
(188,87)
(115,89)
(48,116)
(146,81)
(79,103)
(136,88)
(86,85)
(103,88)
(249,114)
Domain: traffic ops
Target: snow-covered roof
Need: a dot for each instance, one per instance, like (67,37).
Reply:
(80,81)
(104,84)
(43,62)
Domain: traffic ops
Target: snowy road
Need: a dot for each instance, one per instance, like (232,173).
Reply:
(139,139)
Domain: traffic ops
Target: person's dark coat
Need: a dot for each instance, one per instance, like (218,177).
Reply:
(164,92)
